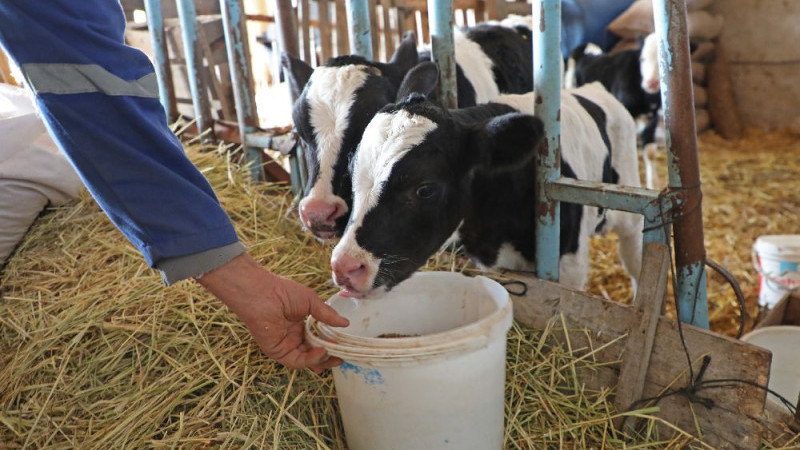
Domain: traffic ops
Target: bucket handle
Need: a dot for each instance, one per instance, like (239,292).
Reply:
(772,280)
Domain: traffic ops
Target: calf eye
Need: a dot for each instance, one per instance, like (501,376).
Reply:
(426,191)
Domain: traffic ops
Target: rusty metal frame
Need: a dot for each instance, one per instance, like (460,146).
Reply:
(678,207)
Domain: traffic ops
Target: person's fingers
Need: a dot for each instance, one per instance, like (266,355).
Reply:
(326,314)
(298,359)
(332,361)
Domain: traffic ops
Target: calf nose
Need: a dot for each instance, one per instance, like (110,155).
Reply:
(349,272)
(315,213)
(653,85)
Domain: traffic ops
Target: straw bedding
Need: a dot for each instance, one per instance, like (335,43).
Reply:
(96,353)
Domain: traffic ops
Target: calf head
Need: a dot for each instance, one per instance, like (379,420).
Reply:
(648,64)
(334,104)
(411,180)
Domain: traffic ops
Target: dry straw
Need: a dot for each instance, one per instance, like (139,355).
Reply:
(96,354)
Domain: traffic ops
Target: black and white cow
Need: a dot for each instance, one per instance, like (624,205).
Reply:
(337,100)
(631,76)
(422,172)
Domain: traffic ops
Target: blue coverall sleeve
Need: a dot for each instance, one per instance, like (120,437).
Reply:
(99,99)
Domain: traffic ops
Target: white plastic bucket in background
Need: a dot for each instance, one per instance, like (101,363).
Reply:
(441,388)
(776,258)
(784,372)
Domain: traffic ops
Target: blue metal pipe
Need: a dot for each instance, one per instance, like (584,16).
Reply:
(677,96)
(614,196)
(155,23)
(359,27)
(233,23)
(547,106)
(194,63)
(440,17)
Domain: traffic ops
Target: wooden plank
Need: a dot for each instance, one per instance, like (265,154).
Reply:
(342,38)
(734,409)
(375,31)
(217,91)
(782,427)
(495,11)
(425,35)
(647,308)
(480,11)
(326,40)
(304,15)
(386,34)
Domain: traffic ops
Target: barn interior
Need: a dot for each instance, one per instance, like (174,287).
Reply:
(96,353)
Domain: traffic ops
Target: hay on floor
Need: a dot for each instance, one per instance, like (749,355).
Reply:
(750,187)
(96,353)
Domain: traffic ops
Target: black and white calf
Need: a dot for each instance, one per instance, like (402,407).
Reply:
(630,75)
(422,172)
(337,100)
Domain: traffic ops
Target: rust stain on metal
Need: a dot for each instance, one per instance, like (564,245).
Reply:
(539,100)
(542,25)
(546,209)
(544,149)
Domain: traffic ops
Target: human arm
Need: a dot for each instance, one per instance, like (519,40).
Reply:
(274,310)
(99,100)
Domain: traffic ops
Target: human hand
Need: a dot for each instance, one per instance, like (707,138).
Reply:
(274,310)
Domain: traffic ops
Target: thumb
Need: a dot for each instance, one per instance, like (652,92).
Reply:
(325,314)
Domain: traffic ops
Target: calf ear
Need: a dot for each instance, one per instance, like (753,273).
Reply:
(506,142)
(420,80)
(406,56)
(403,60)
(297,72)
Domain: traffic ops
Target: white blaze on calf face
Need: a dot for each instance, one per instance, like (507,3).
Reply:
(330,96)
(648,64)
(387,138)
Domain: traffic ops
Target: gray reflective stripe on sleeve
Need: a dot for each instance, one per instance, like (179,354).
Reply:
(85,78)
(196,264)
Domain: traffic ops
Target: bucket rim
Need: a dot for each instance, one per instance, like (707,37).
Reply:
(390,356)
(772,329)
(332,334)
(772,245)
(376,349)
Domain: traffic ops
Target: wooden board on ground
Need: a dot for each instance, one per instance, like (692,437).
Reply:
(730,416)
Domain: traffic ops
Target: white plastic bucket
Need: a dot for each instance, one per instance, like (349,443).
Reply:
(784,372)
(776,258)
(442,388)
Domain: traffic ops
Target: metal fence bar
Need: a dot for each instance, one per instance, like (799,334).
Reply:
(155,24)
(442,50)
(359,28)
(683,166)
(194,63)
(233,23)
(289,42)
(547,106)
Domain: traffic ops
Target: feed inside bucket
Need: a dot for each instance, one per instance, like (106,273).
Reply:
(776,258)
(441,383)
(784,372)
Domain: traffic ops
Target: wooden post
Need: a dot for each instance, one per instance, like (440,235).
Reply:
(648,306)
(325,38)
(736,419)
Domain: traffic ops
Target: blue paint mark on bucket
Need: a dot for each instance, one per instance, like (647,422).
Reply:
(787,266)
(371,376)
